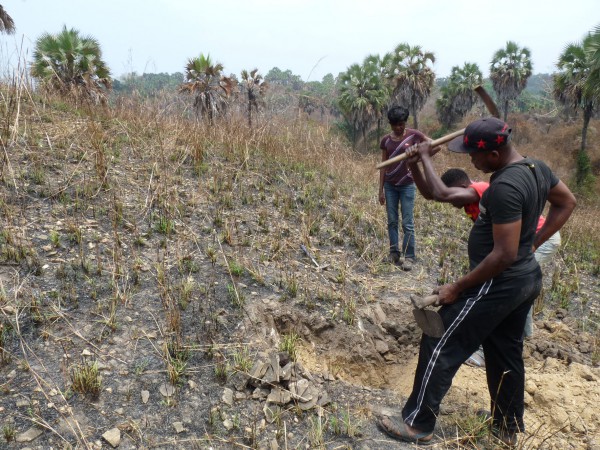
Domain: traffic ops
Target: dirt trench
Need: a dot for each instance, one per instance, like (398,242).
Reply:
(372,351)
(380,350)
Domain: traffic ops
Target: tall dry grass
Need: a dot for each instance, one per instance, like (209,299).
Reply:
(163,133)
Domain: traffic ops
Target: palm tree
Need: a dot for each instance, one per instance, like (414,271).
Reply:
(412,77)
(70,63)
(255,87)
(210,89)
(6,23)
(362,95)
(509,71)
(577,84)
(593,53)
(381,65)
(458,96)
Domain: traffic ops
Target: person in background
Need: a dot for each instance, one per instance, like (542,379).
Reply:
(397,189)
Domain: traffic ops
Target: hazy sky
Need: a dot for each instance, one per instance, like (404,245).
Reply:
(309,37)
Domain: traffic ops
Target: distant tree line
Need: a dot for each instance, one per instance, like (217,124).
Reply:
(147,84)
(405,76)
(71,64)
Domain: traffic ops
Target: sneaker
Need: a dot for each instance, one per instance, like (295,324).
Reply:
(477,359)
(407,264)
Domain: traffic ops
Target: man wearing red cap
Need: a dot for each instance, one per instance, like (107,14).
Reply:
(489,304)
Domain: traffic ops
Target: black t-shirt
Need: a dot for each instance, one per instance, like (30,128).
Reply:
(517,192)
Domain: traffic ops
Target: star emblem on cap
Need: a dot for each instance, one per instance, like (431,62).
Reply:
(481,144)
(499,139)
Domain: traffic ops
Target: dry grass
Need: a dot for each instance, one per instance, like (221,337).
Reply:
(137,195)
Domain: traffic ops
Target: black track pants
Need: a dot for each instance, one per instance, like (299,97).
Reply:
(493,314)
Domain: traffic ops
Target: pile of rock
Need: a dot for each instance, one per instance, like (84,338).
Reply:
(278,381)
(561,342)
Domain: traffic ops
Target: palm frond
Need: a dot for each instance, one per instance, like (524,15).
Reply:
(7,25)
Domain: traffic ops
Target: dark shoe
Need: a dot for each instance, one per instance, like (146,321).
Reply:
(397,429)
(508,438)
(393,258)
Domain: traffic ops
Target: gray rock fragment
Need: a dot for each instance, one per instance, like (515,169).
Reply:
(30,435)
(166,389)
(113,437)
(227,397)
(279,397)
(272,412)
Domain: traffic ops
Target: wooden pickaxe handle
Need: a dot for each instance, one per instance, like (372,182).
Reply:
(434,143)
(422,302)
(487,101)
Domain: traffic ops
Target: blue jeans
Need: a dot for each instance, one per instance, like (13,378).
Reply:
(405,197)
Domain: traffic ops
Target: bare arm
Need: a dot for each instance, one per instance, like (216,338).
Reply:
(420,180)
(457,196)
(562,203)
(504,253)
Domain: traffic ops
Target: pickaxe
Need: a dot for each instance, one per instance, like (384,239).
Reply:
(489,104)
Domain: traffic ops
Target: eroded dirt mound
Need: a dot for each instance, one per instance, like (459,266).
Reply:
(380,351)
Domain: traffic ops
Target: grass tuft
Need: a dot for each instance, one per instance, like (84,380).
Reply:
(85,378)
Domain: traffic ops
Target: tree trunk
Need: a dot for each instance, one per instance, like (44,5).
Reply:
(583,160)
(505,109)
(249,114)
(198,108)
(414,113)
(209,111)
